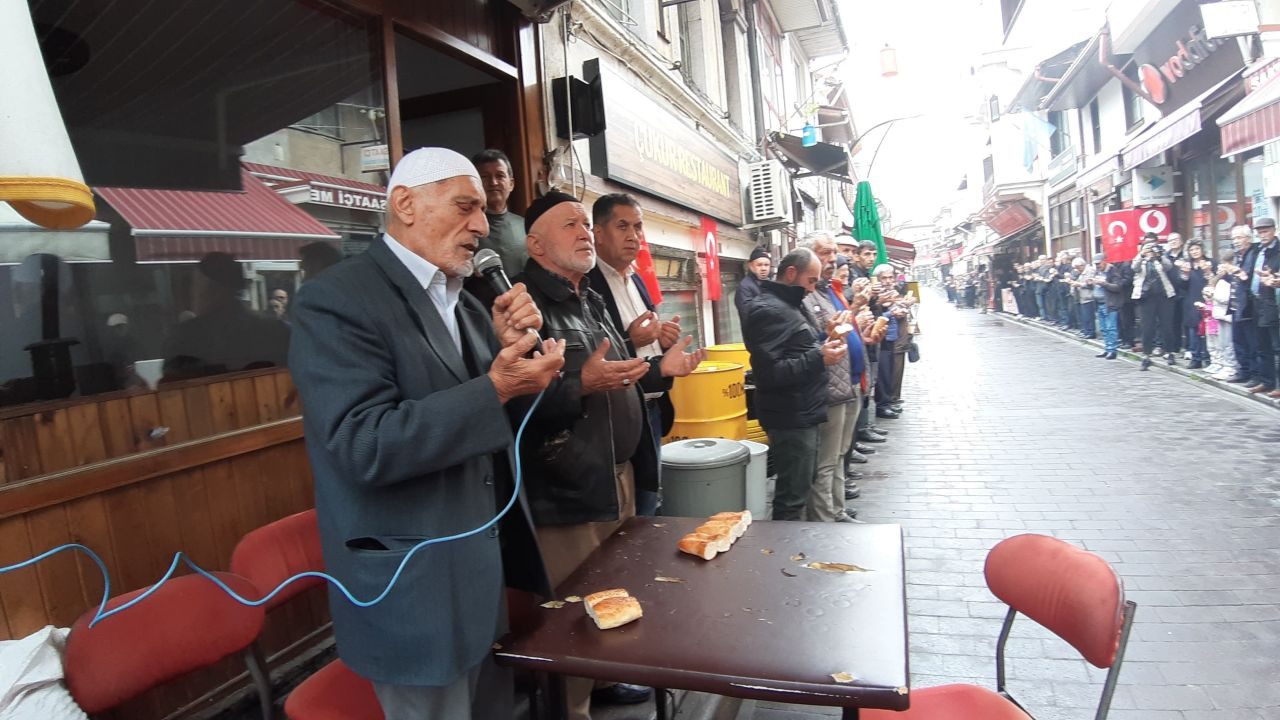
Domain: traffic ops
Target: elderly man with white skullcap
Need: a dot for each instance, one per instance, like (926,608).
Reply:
(404,379)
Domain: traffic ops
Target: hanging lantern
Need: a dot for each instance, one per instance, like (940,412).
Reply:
(888,61)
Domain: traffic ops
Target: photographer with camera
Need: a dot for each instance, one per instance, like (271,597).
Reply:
(1153,288)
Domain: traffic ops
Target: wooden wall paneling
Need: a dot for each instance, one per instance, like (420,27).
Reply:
(21,450)
(246,398)
(161,513)
(264,388)
(144,413)
(20,593)
(222,407)
(91,527)
(224,510)
(287,396)
(138,565)
(194,524)
(199,410)
(59,576)
(86,434)
(116,422)
(53,438)
(173,415)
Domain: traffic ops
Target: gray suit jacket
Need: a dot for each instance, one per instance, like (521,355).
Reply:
(407,440)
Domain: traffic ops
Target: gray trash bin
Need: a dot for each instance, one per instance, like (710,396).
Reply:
(704,476)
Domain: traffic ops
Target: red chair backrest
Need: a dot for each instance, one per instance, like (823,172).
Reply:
(189,623)
(279,550)
(1074,593)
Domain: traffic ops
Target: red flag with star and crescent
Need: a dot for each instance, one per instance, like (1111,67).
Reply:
(712,248)
(648,274)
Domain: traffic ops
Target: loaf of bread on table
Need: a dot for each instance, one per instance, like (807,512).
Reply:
(596,597)
(611,608)
(701,546)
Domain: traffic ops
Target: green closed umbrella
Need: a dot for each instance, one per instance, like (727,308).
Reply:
(866,221)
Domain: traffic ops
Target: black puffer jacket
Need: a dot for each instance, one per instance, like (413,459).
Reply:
(786,359)
(567,452)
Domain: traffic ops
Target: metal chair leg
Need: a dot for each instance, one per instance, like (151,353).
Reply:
(257,664)
(660,702)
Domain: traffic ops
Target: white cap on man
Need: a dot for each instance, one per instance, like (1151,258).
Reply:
(428,165)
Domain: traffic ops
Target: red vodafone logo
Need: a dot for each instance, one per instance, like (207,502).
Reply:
(1154,220)
(1151,81)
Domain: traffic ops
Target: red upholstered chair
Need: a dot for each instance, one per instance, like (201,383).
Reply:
(187,624)
(267,556)
(1074,593)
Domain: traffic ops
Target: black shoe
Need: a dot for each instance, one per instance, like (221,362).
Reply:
(852,493)
(1169,358)
(851,477)
(621,694)
(1102,354)
(1195,365)
(1146,362)
(886,414)
(877,430)
(896,407)
(849,515)
(855,457)
(1239,379)
(864,448)
(867,436)
(1111,355)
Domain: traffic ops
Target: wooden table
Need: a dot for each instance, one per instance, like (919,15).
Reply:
(753,623)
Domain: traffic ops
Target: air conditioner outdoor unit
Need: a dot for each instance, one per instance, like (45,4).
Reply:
(770,192)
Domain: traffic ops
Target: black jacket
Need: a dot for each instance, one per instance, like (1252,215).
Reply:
(1265,311)
(1241,300)
(786,359)
(1118,283)
(747,291)
(567,450)
(600,285)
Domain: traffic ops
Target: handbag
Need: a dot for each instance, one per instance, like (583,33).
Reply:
(913,352)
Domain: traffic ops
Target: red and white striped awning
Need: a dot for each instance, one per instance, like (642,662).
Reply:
(185,225)
(1253,122)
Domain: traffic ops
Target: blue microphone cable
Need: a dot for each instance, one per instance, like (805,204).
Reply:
(181,557)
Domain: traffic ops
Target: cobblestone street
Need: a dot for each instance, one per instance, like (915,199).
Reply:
(1009,430)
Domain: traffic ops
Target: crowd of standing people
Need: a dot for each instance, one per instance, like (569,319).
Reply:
(829,337)
(1220,314)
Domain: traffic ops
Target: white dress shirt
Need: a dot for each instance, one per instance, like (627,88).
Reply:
(630,307)
(442,289)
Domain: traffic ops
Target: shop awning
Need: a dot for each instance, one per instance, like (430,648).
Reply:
(299,186)
(1253,122)
(21,238)
(1171,129)
(184,225)
(1082,79)
(822,159)
(903,252)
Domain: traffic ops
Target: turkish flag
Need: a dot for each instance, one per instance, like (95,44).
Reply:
(711,244)
(1120,234)
(646,271)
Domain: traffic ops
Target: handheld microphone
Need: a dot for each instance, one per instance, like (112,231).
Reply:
(488,264)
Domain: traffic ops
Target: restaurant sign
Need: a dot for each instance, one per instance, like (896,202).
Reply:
(347,198)
(649,148)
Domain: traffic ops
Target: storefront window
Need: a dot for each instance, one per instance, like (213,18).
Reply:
(1254,192)
(211,161)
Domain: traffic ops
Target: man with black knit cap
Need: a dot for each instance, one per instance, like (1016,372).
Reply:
(759,263)
(588,446)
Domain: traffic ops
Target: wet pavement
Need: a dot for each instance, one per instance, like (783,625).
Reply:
(1009,429)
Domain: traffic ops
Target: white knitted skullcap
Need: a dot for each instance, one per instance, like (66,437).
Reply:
(428,165)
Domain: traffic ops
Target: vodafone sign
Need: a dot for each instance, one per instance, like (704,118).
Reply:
(1123,230)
